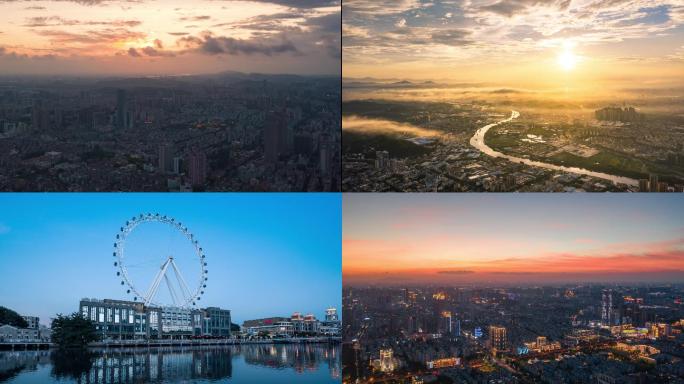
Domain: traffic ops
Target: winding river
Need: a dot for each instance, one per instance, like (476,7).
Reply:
(478,141)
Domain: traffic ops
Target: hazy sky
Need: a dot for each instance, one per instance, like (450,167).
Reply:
(267,254)
(516,41)
(151,37)
(445,238)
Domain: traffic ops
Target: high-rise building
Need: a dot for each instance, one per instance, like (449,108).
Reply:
(40,119)
(382,160)
(166,157)
(122,115)
(197,167)
(541,341)
(607,307)
(275,136)
(457,328)
(386,360)
(446,324)
(653,182)
(497,338)
(326,154)
(178,165)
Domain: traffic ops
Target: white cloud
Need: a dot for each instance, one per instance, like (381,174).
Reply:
(514,27)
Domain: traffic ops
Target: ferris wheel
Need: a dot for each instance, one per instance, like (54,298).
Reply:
(167,267)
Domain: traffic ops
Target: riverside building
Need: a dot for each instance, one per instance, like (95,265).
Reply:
(126,320)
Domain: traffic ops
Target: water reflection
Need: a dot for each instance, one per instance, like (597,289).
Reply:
(174,364)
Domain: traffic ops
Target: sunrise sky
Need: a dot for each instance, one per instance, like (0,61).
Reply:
(442,238)
(151,37)
(518,42)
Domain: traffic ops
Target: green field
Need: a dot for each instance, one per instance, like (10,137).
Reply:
(355,142)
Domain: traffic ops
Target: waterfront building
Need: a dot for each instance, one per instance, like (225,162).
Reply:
(215,322)
(125,320)
(32,321)
(270,326)
(10,333)
(332,325)
(307,324)
(331,314)
(295,325)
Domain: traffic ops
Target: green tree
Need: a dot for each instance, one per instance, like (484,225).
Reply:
(73,331)
(8,316)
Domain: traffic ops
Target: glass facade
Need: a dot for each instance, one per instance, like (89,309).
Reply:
(118,319)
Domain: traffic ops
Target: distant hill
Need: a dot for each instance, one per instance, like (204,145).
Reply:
(8,316)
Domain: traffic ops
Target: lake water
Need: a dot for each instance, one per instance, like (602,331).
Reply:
(281,363)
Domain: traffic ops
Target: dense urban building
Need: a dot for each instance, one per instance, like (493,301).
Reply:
(585,333)
(225,132)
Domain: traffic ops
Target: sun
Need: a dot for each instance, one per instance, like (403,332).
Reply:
(567,59)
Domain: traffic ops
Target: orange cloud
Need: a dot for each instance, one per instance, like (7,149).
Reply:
(378,258)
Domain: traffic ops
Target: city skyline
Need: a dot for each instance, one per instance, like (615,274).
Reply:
(569,45)
(529,239)
(258,248)
(154,37)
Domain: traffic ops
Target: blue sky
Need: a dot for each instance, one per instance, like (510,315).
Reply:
(268,254)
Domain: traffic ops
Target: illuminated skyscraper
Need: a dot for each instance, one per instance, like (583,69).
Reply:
(607,307)
(446,324)
(386,360)
(497,338)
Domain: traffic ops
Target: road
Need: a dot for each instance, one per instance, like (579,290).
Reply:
(478,141)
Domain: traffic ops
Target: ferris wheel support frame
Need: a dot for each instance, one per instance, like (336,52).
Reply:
(187,296)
